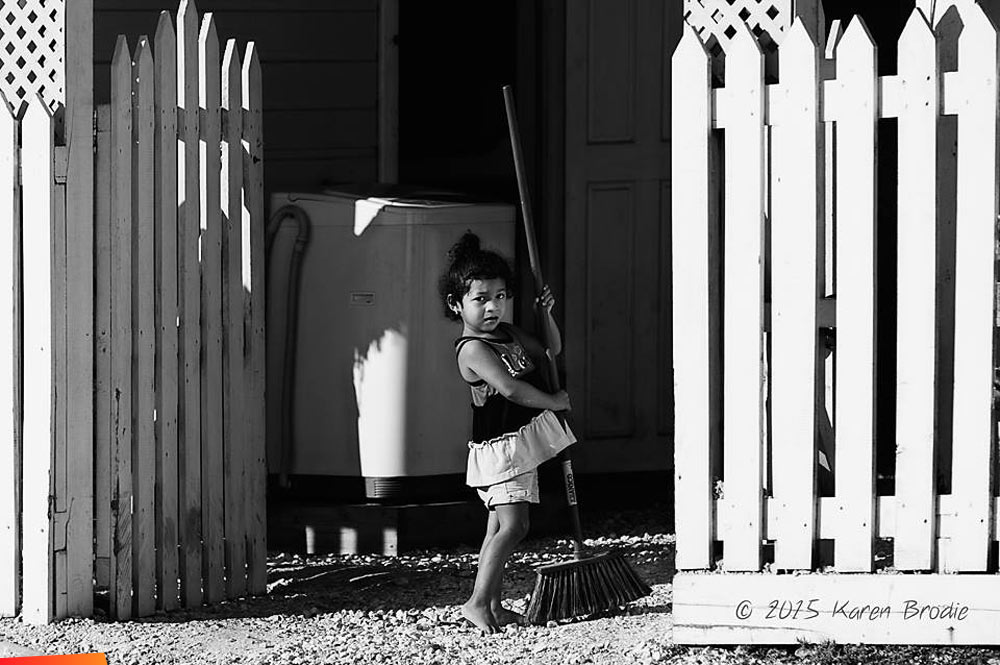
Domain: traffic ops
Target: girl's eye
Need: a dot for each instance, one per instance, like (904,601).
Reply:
(501,296)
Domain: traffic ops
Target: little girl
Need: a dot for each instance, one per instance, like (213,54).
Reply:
(514,428)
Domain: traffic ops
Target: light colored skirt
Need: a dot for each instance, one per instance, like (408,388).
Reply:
(508,455)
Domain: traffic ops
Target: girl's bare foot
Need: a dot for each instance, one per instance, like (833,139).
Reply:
(480,616)
(505,616)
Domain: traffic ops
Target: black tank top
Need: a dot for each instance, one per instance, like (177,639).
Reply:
(493,414)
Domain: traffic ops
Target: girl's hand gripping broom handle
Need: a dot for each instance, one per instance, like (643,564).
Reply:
(536,272)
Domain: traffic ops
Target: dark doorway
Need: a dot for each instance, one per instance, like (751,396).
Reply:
(454,58)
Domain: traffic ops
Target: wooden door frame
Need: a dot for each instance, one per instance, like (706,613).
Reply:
(541,106)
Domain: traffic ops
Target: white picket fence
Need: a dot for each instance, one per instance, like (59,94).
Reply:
(164,505)
(46,512)
(796,197)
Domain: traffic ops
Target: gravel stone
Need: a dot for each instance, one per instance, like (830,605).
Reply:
(333,610)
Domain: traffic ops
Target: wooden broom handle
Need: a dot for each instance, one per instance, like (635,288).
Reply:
(536,272)
(522,189)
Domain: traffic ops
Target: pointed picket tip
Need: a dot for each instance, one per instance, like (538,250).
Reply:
(856,54)
(165,64)
(917,30)
(742,46)
(251,91)
(185,10)
(977,51)
(918,55)
(798,37)
(857,35)
(833,38)
(187,21)
(208,62)
(208,32)
(164,29)
(142,67)
(690,41)
(208,43)
(251,71)
(798,69)
(121,71)
(976,22)
(250,54)
(799,31)
(232,76)
(121,52)
(143,50)
(187,55)
(231,56)
(690,55)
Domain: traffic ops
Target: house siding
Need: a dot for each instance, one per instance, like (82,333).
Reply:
(320,72)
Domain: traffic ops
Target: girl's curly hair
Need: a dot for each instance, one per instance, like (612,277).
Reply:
(468,261)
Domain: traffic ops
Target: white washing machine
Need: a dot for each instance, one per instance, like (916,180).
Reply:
(377,391)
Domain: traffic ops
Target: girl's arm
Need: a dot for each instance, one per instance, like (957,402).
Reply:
(550,331)
(477,357)
(554,338)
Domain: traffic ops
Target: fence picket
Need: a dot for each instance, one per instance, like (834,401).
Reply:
(855,372)
(695,299)
(946,33)
(972,467)
(743,302)
(59,572)
(60,504)
(796,211)
(189,306)
(165,225)
(916,288)
(103,426)
(39,398)
(121,329)
(232,312)
(213,508)
(79,205)
(253,275)
(10,459)
(144,335)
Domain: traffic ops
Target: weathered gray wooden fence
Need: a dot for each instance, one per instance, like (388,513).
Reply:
(179,311)
(131,293)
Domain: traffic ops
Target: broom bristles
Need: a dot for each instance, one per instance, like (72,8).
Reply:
(585,586)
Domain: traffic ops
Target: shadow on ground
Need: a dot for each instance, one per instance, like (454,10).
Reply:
(309,585)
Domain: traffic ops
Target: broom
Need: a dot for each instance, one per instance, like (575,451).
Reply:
(589,583)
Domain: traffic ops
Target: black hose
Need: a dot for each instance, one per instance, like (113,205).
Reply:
(291,324)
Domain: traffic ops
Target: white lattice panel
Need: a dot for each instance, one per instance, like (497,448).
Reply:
(32,50)
(767,19)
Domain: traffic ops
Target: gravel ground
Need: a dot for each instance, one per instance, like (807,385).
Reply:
(402,610)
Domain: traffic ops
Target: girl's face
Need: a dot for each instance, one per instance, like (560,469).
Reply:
(483,305)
